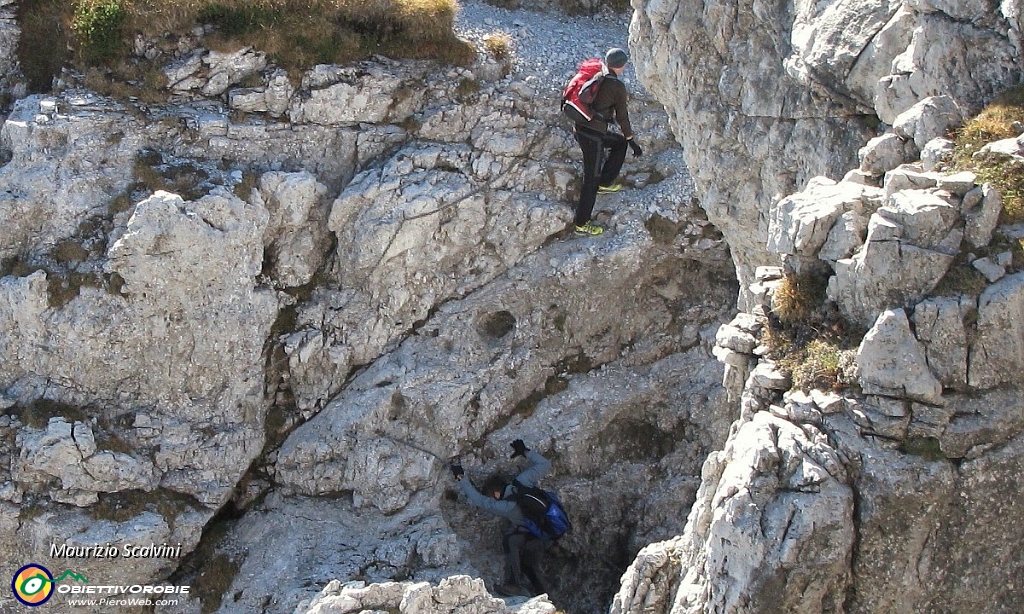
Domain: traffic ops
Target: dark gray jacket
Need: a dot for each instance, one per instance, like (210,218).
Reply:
(531,476)
(610,102)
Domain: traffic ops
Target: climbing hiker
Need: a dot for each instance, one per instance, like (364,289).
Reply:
(523,542)
(600,171)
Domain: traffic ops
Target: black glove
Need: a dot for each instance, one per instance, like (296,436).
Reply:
(458,471)
(519,447)
(637,152)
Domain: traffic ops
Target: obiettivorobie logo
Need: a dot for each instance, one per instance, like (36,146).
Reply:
(33,584)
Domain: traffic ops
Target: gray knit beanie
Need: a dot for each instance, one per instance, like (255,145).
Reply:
(616,58)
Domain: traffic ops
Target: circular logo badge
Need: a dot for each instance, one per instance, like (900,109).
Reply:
(32,585)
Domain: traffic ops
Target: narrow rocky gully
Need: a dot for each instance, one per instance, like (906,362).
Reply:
(627,404)
(258,319)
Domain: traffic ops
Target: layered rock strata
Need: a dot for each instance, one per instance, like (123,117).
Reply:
(298,300)
(873,499)
(753,89)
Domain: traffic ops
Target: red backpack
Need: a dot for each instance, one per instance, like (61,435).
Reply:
(581,90)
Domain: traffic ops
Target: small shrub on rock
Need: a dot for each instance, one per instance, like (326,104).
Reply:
(806,336)
(98,26)
(797,297)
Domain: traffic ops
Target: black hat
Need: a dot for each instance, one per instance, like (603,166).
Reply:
(616,58)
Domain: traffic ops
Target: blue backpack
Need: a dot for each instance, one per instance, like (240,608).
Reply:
(543,512)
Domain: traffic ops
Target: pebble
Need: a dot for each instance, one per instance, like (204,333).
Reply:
(539,39)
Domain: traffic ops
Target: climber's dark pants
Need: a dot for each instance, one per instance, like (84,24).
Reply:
(524,554)
(597,168)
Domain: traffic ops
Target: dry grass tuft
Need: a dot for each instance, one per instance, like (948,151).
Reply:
(499,45)
(807,337)
(797,297)
(1002,119)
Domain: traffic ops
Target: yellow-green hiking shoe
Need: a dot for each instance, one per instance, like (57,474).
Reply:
(609,189)
(589,228)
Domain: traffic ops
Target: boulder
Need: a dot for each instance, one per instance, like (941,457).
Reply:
(900,495)
(350,96)
(1010,148)
(227,69)
(892,361)
(981,209)
(935,152)
(992,270)
(926,220)
(940,324)
(908,177)
(296,238)
(458,593)
(273,98)
(886,152)
(997,351)
(931,118)
(800,223)
(940,41)
(892,270)
(845,238)
(69,453)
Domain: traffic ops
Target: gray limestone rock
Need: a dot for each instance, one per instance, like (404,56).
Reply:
(981,209)
(892,361)
(349,96)
(886,152)
(997,351)
(992,271)
(845,238)
(908,177)
(935,152)
(939,41)
(296,238)
(933,117)
(743,146)
(69,453)
(940,324)
(1011,148)
(800,223)
(774,510)
(227,69)
(910,244)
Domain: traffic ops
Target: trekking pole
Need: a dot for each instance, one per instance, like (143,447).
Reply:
(380,433)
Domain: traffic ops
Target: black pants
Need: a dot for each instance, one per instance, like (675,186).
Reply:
(523,557)
(598,169)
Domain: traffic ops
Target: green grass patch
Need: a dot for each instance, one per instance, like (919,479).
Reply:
(995,122)
(37,414)
(295,34)
(928,448)
(99,27)
(823,363)
(808,338)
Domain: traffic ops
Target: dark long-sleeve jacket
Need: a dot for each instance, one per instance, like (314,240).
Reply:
(610,103)
(539,467)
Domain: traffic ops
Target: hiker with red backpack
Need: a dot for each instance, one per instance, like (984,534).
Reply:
(593,99)
(536,518)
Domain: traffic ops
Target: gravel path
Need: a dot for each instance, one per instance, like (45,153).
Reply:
(546,50)
(546,47)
